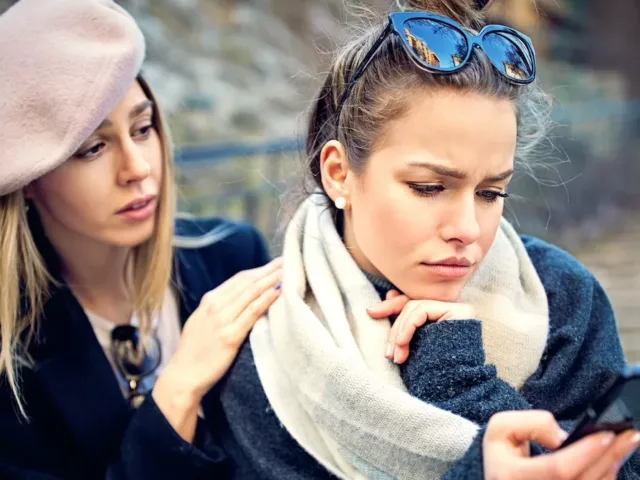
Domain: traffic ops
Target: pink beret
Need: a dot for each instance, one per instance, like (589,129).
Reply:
(64,65)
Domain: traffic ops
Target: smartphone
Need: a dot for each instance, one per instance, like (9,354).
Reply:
(617,410)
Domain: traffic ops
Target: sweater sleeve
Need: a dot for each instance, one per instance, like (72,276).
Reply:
(446,366)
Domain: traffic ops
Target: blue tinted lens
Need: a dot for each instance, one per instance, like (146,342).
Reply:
(508,54)
(436,44)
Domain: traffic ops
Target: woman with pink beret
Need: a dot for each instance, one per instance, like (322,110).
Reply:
(116,319)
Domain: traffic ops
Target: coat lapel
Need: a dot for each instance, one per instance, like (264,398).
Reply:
(71,367)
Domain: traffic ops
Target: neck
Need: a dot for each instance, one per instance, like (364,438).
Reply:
(94,270)
(381,284)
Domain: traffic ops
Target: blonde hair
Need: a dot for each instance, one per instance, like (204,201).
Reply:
(26,282)
(384,91)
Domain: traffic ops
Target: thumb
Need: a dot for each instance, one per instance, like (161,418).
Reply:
(570,462)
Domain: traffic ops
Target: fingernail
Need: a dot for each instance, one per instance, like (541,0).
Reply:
(607,439)
(562,435)
(636,438)
(388,351)
(278,286)
(396,356)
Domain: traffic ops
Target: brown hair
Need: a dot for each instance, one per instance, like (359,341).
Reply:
(384,91)
(26,282)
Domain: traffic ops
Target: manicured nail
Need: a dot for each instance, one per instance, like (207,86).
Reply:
(278,286)
(607,439)
(389,351)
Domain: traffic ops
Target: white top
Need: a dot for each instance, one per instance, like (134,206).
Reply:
(165,326)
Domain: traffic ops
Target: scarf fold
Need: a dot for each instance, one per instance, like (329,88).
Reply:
(320,357)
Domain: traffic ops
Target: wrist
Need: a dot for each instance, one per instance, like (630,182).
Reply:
(175,390)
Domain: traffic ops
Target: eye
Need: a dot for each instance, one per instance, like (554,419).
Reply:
(91,151)
(490,196)
(144,131)
(426,190)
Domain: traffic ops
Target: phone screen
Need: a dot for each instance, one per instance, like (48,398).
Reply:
(616,411)
(626,407)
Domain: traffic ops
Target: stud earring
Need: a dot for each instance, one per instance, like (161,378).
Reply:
(340,203)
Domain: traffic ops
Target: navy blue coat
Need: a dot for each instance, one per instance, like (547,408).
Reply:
(80,425)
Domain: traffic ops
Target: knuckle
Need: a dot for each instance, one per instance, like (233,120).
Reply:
(500,418)
(244,275)
(548,418)
(208,300)
(256,289)
(229,338)
(254,309)
(467,310)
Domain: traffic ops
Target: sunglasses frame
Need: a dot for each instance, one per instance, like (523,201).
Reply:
(135,396)
(395,26)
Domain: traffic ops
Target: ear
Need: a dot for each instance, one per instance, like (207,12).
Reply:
(334,169)
(27,192)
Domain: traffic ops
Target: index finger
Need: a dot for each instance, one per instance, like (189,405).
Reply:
(524,426)
(388,307)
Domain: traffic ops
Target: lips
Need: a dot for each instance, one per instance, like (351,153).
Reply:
(137,204)
(449,268)
(451,262)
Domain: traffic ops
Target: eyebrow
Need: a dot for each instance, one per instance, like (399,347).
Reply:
(135,111)
(458,174)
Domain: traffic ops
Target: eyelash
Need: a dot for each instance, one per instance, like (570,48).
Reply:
(430,191)
(86,154)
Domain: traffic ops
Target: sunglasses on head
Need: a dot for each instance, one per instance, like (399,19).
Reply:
(135,358)
(437,44)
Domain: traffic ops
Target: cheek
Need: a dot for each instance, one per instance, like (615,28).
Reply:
(154,155)
(489,224)
(392,222)
(76,192)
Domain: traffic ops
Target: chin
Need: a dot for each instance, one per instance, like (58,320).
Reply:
(132,236)
(441,292)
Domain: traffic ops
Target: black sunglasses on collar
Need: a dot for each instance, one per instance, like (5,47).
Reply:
(134,360)
(437,44)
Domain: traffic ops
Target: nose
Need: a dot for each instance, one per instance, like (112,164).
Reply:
(134,167)
(461,224)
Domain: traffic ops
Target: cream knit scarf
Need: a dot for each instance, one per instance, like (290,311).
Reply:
(321,362)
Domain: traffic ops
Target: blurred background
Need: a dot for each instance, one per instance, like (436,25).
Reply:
(236,78)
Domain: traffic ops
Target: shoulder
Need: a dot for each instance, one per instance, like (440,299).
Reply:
(576,299)
(558,269)
(233,245)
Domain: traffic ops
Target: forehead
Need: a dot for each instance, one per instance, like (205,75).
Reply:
(132,98)
(465,130)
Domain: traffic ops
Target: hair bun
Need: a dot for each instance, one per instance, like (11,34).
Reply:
(465,12)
